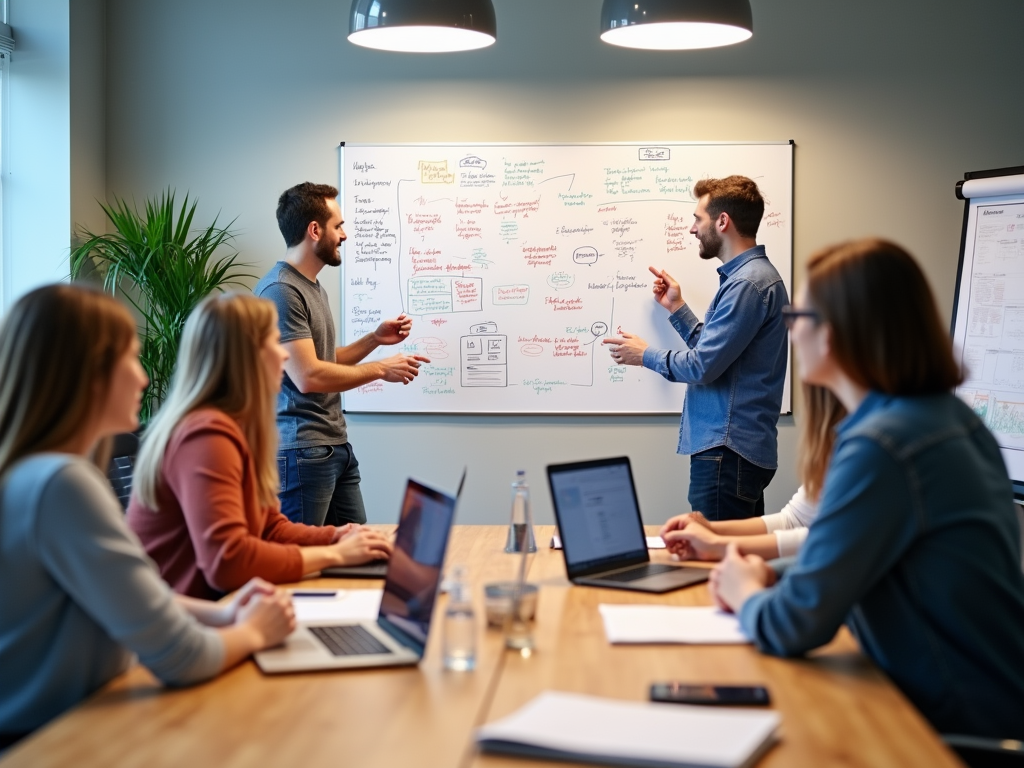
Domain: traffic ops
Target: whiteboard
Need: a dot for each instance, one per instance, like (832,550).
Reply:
(988,312)
(515,261)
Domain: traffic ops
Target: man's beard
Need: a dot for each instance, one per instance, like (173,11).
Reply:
(710,244)
(326,254)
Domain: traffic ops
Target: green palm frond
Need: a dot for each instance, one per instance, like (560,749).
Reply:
(163,267)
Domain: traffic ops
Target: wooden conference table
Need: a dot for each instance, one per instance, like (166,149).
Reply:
(837,709)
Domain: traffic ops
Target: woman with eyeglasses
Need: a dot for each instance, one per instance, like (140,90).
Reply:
(692,537)
(79,597)
(916,546)
(205,492)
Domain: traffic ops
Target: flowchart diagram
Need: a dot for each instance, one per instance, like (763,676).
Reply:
(516,262)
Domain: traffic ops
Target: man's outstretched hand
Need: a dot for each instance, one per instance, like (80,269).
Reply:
(393,331)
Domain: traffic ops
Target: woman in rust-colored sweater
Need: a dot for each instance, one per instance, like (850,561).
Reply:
(204,501)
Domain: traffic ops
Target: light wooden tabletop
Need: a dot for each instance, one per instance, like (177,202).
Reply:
(837,709)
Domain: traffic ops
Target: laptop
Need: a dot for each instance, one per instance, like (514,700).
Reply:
(375,569)
(602,534)
(399,635)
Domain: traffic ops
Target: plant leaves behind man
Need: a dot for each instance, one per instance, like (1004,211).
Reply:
(164,268)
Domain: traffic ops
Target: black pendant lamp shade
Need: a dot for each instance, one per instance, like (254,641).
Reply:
(676,24)
(422,26)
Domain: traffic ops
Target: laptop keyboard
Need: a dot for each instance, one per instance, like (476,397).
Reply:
(640,572)
(349,640)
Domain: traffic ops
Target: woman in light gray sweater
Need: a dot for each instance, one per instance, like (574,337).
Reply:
(79,596)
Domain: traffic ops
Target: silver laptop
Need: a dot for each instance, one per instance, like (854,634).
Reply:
(399,635)
(602,534)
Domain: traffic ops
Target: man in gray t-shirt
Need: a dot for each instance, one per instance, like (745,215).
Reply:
(319,471)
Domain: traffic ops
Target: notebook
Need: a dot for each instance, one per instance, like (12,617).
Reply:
(399,635)
(602,533)
(571,727)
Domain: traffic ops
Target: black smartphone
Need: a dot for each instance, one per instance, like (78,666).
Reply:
(730,695)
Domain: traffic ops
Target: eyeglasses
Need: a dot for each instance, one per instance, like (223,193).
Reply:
(790,314)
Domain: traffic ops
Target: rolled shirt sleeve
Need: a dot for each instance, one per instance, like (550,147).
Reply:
(791,523)
(715,344)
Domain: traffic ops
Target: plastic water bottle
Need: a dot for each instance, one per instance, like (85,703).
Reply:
(459,624)
(520,529)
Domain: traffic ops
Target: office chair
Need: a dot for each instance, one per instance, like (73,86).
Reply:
(122,465)
(978,752)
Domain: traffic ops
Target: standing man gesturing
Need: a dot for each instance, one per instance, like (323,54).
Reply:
(735,362)
(319,471)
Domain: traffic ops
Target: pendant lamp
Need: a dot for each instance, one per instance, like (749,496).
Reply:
(423,26)
(673,25)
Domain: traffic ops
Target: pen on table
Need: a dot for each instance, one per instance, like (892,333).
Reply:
(327,593)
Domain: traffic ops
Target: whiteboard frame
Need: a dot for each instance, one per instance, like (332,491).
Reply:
(787,404)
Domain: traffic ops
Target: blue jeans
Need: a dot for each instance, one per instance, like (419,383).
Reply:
(320,485)
(725,486)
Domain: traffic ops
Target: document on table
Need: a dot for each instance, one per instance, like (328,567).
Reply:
(670,624)
(565,726)
(347,605)
(653,542)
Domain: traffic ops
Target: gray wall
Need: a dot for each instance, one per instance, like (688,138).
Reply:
(88,113)
(889,102)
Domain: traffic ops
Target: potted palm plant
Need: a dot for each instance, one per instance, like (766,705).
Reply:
(163,268)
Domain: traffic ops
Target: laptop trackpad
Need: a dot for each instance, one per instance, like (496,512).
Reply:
(300,644)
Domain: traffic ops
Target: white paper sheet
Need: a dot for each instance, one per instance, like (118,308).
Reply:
(628,732)
(347,605)
(670,624)
(653,542)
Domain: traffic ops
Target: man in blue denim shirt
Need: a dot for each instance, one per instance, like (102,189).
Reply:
(735,364)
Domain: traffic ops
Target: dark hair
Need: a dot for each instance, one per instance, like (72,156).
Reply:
(886,332)
(737,196)
(300,205)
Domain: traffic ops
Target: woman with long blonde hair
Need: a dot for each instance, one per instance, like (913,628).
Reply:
(81,597)
(693,537)
(204,498)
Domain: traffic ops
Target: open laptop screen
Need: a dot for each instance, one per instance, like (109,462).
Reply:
(598,517)
(415,568)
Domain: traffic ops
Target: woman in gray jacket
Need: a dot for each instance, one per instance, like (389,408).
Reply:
(80,598)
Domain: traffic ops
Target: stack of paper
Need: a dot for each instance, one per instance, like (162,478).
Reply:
(564,726)
(344,605)
(670,624)
(653,542)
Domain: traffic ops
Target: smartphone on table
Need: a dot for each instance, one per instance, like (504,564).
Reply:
(728,695)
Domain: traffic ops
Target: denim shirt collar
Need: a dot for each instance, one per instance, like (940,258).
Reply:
(730,267)
(868,406)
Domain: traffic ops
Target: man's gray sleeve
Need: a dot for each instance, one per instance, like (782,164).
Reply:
(87,548)
(292,313)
